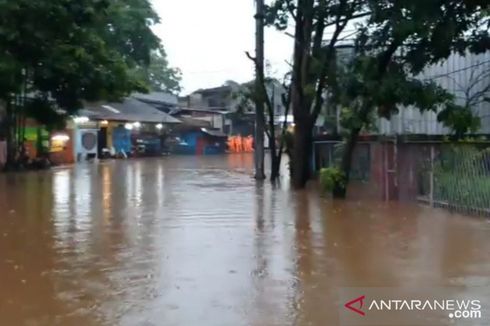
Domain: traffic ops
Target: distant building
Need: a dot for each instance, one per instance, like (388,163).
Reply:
(228,107)
(223,98)
(193,140)
(165,102)
(130,127)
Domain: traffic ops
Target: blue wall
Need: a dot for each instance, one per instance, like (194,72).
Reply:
(121,139)
(191,139)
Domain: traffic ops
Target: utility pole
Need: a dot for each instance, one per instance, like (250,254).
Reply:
(259,109)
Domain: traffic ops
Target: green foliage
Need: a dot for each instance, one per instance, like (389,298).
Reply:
(359,86)
(331,177)
(246,95)
(350,119)
(460,119)
(43,112)
(245,98)
(10,75)
(65,52)
(472,192)
(462,177)
(159,76)
(127,29)
(428,30)
(70,51)
(278,13)
(397,42)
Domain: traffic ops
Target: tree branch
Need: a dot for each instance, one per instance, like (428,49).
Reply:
(320,28)
(251,57)
(290,9)
(263,91)
(347,19)
(340,25)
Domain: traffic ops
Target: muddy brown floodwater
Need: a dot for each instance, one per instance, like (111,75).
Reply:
(194,241)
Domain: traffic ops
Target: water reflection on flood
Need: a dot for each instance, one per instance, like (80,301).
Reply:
(194,241)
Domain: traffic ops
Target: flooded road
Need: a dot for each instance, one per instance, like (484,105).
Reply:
(194,241)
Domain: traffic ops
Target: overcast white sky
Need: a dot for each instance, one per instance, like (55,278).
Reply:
(207,40)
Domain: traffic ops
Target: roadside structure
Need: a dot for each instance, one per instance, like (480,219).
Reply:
(123,129)
(412,157)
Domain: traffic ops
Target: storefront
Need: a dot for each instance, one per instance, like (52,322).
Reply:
(61,147)
(126,129)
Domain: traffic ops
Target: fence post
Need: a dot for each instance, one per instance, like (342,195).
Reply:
(431,175)
(386,171)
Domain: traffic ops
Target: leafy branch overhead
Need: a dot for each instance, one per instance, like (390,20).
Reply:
(158,75)
(77,50)
(394,41)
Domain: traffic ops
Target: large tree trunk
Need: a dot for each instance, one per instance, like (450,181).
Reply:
(276,167)
(340,188)
(259,150)
(275,156)
(301,164)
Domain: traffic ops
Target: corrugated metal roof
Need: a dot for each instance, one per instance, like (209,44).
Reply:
(131,110)
(204,110)
(219,89)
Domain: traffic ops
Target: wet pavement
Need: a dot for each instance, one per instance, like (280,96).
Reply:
(194,241)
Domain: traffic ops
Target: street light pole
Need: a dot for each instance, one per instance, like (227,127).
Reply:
(259,109)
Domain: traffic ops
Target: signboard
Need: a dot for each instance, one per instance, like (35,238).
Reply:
(58,143)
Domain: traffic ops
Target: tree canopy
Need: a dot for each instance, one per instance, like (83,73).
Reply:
(70,51)
(158,75)
(394,41)
(55,54)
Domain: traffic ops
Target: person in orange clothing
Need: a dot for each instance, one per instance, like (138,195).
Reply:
(241,144)
(249,141)
(230,144)
(235,145)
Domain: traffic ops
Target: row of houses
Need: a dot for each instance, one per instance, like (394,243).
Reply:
(467,77)
(137,126)
(150,125)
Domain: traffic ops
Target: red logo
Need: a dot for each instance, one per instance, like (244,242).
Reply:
(351,305)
